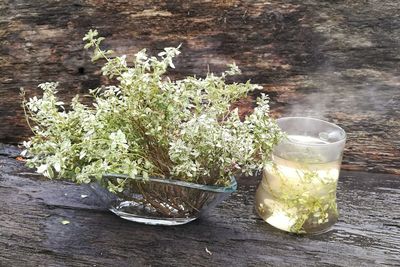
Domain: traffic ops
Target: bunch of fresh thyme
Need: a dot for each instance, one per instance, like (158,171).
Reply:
(149,125)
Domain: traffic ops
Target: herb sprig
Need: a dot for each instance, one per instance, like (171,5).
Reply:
(149,125)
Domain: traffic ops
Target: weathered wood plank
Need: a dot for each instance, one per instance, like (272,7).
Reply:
(337,60)
(31,232)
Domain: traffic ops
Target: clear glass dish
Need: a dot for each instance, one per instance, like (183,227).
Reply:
(159,201)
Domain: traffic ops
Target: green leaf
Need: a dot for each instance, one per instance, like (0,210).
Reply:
(88,45)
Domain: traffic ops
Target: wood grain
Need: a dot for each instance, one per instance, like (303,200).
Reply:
(337,60)
(31,232)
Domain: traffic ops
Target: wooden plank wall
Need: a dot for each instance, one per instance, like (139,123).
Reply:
(337,60)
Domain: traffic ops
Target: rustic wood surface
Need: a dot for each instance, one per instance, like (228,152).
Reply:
(31,232)
(337,60)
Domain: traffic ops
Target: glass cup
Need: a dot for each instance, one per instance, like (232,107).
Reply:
(298,190)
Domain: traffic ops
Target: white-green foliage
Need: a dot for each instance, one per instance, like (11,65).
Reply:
(149,125)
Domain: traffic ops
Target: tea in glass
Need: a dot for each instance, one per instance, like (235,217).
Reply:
(298,189)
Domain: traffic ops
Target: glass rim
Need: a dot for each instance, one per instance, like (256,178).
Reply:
(341,140)
(213,188)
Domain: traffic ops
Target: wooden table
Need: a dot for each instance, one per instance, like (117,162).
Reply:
(32,234)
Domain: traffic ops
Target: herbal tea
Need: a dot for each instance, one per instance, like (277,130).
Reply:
(298,190)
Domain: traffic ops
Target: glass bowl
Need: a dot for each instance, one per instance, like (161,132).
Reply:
(158,201)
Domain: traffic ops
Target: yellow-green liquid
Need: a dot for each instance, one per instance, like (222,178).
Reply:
(297,195)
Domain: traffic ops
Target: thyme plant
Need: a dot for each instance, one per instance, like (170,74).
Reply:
(149,125)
